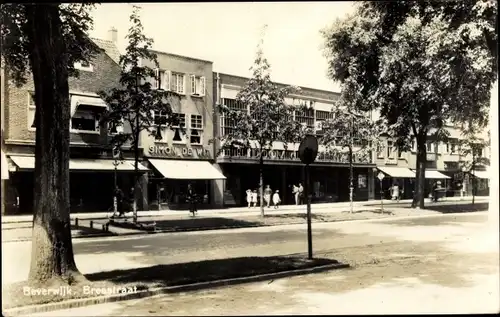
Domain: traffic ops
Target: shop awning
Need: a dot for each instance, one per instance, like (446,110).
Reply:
(5,166)
(185,169)
(478,174)
(435,175)
(399,172)
(28,163)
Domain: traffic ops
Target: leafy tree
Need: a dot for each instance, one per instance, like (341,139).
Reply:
(45,40)
(268,118)
(134,104)
(352,129)
(472,148)
(420,64)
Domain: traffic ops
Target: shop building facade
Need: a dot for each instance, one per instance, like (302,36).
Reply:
(444,166)
(184,154)
(282,167)
(92,171)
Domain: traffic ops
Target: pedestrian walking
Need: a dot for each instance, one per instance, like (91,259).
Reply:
(249,197)
(395,192)
(267,195)
(434,192)
(295,192)
(119,201)
(276,199)
(191,198)
(301,194)
(255,197)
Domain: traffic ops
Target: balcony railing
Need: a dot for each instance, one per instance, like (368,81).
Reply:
(451,157)
(431,157)
(292,155)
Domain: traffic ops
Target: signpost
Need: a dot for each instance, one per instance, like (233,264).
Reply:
(117,156)
(380,177)
(308,150)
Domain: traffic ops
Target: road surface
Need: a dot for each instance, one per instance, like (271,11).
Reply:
(444,264)
(104,254)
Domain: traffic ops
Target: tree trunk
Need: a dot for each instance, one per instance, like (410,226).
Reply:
(351,181)
(419,195)
(261,183)
(52,250)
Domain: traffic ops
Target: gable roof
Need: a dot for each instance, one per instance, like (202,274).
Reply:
(109,48)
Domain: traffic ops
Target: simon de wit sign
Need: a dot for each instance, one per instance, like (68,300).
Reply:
(178,152)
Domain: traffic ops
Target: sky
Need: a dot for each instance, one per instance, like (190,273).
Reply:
(227,33)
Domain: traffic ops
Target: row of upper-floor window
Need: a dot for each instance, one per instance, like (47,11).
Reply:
(177,82)
(390,150)
(167,80)
(86,119)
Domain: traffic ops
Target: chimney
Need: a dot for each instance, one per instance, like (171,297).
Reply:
(113,35)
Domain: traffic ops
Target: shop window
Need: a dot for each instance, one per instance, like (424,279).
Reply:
(362,181)
(196,129)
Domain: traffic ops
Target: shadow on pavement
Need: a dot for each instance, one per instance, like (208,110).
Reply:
(458,208)
(187,224)
(207,270)
(375,211)
(295,216)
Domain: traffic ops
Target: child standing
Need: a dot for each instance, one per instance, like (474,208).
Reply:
(249,197)
(276,199)
(254,198)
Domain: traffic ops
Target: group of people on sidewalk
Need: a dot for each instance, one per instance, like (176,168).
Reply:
(274,198)
(269,197)
(123,206)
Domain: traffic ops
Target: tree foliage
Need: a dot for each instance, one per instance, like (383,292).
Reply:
(45,40)
(76,21)
(133,105)
(266,117)
(420,64)
(352,129)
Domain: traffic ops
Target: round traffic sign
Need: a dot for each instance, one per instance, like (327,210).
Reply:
(308,149)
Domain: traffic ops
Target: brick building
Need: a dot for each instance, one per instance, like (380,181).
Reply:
(91,165)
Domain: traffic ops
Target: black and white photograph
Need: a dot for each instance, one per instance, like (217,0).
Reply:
(249,158)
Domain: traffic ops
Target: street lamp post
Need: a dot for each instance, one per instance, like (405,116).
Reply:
(116,162)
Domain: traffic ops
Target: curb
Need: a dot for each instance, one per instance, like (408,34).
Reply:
(97,235)
(372,203)
(75,303)
(195,229)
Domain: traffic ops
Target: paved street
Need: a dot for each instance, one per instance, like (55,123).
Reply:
(432,264)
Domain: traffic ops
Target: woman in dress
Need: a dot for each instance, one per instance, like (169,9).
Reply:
(255,196)
(267,195)
(249,197)
(276,199)
(295,192)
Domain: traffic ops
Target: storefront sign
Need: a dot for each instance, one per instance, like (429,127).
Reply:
(172,152)
(290,155)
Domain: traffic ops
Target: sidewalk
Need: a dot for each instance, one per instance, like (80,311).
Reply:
(179,222)
(243,211)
